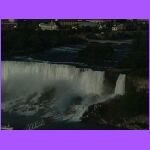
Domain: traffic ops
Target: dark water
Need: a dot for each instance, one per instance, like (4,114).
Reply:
(21,122)
(69,55)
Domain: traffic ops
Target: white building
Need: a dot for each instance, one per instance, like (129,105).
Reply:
(114,28)
(49,26)
(100,27)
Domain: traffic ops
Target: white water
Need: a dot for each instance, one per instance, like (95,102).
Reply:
(120,85)
(24,84)
(88,80)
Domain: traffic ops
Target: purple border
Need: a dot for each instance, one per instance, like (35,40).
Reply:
(0,73)
(74,140)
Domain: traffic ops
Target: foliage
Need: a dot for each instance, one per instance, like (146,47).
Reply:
(138,57)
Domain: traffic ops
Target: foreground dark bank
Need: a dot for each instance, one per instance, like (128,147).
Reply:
(82,79)
(129,112)
(123,113)
(18,124)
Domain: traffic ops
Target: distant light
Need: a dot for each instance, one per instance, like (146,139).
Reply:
(11,20)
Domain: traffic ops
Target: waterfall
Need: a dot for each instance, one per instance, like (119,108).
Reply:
(62,92)
(30,72)
(120,85)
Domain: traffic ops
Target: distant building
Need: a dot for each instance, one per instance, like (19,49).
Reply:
(119,27)
(9,24)
(11,20)
(68,23)
(48,26)
(8,127)
(99,20)
(114,28)
(88,24)
(100,27)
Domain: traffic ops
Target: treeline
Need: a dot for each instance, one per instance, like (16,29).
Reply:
(112,35)
(138,56)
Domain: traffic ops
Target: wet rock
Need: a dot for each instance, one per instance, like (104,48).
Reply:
(123,112)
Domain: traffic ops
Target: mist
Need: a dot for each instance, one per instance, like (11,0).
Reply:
(50,90)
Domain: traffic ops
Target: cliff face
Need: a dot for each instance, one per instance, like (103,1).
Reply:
(140,84)
(119,113)
(129,111)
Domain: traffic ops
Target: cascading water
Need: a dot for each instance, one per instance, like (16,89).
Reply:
(120,85)
(88,80)
(50,90)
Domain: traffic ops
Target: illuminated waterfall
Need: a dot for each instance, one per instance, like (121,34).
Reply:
(25,85)
(88,80)
(120,85)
